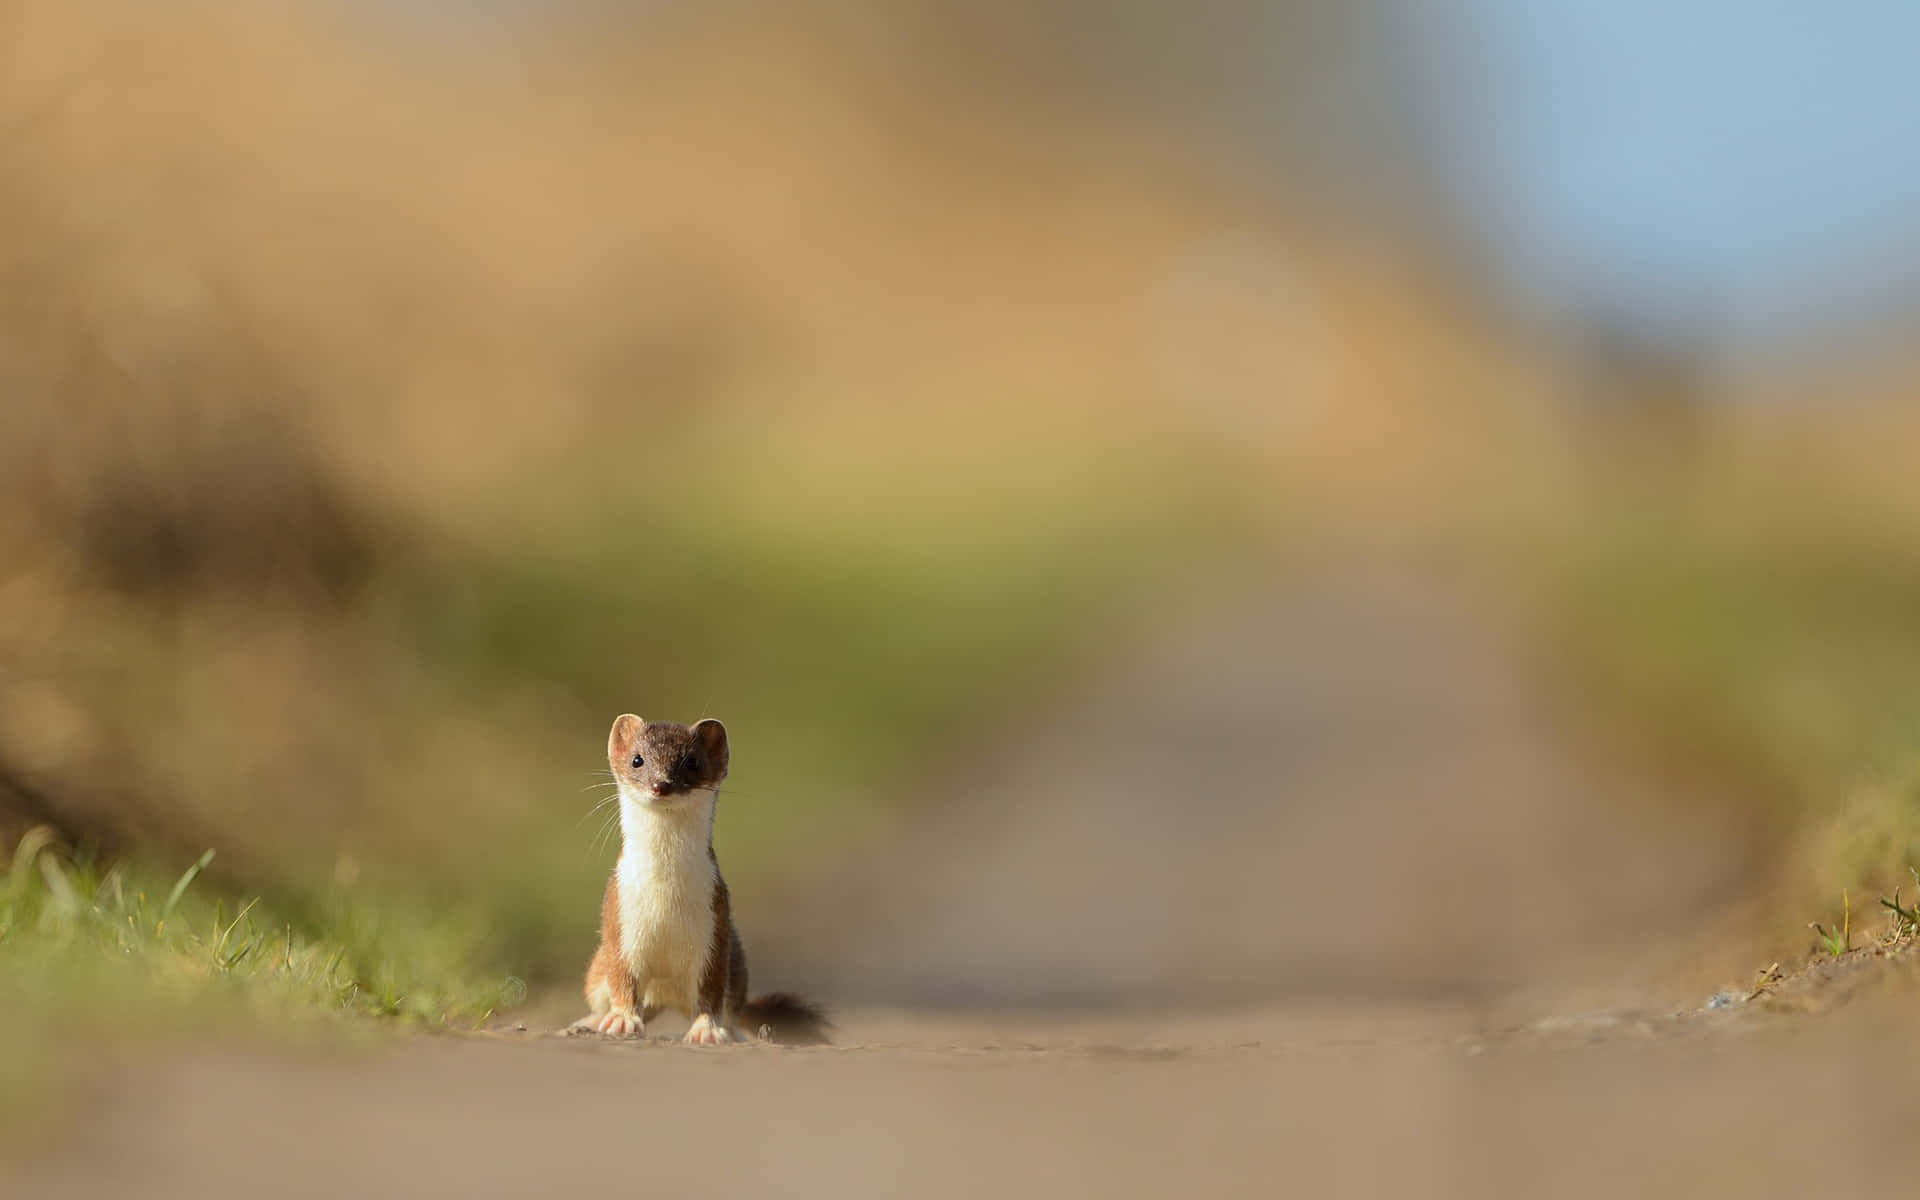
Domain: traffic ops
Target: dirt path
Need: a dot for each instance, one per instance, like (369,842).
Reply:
(1340,784)
(1355,1100)
(1241,920)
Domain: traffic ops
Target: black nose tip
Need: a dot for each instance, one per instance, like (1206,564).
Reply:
(661,789)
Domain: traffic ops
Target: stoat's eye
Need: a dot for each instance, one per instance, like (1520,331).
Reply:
(689,764)
(638,761)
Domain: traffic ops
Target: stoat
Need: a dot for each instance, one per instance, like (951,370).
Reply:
(667,939)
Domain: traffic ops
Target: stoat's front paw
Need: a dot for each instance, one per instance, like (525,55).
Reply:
(619,1022)
(705,1031)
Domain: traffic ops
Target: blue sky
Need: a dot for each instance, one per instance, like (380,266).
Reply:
(1758,157)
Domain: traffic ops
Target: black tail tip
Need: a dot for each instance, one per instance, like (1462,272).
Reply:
(785,1018)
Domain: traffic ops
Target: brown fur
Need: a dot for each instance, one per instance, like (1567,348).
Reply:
(674,759)
(607,967)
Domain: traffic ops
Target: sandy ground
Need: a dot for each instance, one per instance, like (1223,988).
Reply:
(1240,919)
(1347,1100)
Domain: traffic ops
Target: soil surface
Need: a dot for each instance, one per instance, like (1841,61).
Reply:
(1312,894)
(1343,1099)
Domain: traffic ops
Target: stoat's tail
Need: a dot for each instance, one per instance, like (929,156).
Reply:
(785,1018)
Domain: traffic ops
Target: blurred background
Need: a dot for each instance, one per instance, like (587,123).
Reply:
(1176,504)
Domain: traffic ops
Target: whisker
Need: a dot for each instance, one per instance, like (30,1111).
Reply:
(590,812)
(606,826)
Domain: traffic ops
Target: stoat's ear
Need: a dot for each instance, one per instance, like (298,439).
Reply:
(712,738)
(626,731)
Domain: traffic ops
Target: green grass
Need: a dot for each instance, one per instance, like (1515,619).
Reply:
(1903,921)
(86,947)
(1838,940)
(1903,924)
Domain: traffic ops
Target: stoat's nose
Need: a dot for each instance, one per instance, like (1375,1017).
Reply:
(662,788)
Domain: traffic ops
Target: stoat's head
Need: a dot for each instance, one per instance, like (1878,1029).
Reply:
(659,762)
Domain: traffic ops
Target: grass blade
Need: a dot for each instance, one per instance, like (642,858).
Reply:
(183,883)
(31,844)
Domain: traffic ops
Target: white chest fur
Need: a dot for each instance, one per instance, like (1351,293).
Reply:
(666,887)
